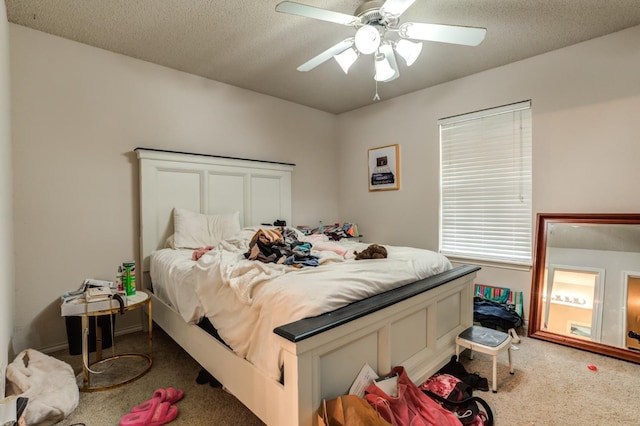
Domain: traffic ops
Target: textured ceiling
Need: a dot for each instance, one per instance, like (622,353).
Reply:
(246,43)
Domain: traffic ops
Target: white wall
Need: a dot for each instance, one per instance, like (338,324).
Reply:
(78,112)
(6,234)
(585,103)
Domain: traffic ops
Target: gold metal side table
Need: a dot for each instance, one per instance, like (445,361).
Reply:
(138,300)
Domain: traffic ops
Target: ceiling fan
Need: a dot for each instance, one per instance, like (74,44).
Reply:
(378,33)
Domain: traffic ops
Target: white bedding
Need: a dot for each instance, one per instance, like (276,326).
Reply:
(246,300)
(173,278)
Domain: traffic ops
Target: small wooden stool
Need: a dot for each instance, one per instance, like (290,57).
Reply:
(488,341)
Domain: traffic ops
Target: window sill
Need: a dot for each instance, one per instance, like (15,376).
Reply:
(490,263)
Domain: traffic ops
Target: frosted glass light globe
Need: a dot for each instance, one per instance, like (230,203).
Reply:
(367,39)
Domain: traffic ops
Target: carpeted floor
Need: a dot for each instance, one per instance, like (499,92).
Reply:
(172,366)
(551,386)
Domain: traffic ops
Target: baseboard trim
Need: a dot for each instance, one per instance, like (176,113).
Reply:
(65,345)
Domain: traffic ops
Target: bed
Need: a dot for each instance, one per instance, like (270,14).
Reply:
(413,324)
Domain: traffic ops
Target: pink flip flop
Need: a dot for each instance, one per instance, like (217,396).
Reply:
(173,395)
(160,413)
(170,395)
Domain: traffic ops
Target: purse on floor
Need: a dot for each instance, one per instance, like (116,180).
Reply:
(409,406)
(457,396)
(348,410)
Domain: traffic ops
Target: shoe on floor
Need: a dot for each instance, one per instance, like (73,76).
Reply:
(159,413)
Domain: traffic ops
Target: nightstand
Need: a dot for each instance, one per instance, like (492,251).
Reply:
(115,363)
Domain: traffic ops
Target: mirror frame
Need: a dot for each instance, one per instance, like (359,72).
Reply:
(535,309)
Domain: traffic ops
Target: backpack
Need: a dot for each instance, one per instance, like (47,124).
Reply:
(457,397)
(495,315)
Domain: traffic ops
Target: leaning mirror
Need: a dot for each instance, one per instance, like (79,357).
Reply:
(585,290)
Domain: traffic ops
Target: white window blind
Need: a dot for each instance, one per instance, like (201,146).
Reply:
(485,166)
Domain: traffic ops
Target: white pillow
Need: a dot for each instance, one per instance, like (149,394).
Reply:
(194,230)
(170,242)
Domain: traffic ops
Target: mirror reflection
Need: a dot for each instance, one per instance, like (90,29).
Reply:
(586,283)
(571,302)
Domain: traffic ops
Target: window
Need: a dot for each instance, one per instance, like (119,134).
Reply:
(485,185)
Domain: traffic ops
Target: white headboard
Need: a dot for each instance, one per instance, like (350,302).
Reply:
(260,191)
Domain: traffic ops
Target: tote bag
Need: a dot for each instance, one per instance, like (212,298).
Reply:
(411,407)
(348,410)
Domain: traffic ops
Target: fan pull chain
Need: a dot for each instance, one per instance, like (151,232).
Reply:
(376,97)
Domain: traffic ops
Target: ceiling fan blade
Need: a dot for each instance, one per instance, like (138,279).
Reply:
(326,55)
(395,7)
(469,36)
(316,13)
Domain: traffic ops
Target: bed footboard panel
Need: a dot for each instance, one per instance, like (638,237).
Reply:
(418,333)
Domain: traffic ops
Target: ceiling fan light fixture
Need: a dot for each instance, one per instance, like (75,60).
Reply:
(346,59)
(387,50)
(367,39)
(409,50)
(384,72)
(373,21)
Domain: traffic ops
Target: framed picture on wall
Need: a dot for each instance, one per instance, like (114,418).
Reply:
(384,168)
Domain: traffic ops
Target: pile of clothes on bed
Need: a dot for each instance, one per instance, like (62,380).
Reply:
(281,246)
(335,232)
